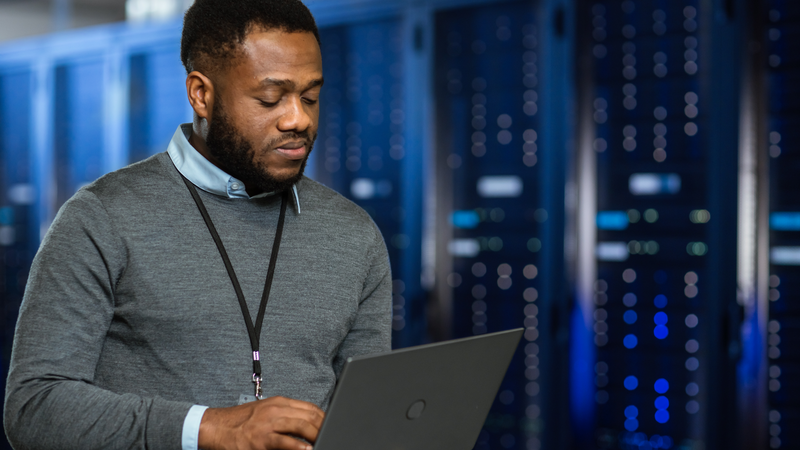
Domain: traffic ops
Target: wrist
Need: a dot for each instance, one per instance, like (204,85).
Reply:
(207,436)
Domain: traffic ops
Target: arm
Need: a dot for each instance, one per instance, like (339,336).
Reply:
(372,330)
(51,401)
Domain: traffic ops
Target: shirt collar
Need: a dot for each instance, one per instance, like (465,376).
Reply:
(205,175)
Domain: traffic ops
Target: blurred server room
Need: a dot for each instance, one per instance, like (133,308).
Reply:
(619,177)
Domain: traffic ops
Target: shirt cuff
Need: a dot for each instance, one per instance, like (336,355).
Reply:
(191,427)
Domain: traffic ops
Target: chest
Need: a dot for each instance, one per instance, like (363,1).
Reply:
(175,282)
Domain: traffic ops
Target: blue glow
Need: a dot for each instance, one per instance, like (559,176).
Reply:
(785,221)
(656,441)
(612,220)
(631,383)
(631,412)
(660,301)
(660,318)
(662,402)
(581,380)
(465,219)
(662,416)
(661,386)
(631,424)
(661,331)
(666,442)
(629,317)
(6,216)
(630,341)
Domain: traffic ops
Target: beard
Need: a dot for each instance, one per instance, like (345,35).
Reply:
(238,157)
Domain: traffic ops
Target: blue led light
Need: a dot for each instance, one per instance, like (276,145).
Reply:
(631,412)
(631,383)
(666,442)
(660,318)
(662,416)
(785,221)
(631,424)
(629,317)
(662,402)
(661,386)
(465,219)
(661,331)
(660,301)
(612,220)
(630,341)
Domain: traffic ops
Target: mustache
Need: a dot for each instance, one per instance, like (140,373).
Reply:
(292,136)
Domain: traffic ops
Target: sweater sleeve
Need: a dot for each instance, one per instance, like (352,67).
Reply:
(51,400)
(372,330)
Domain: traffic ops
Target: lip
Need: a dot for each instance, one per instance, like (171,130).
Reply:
(292,150)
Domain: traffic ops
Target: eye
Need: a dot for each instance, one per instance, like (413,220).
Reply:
(310,101)
(267,104)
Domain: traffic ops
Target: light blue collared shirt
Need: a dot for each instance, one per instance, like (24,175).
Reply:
(205,175)
(210,178)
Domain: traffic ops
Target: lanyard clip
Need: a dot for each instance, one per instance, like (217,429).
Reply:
(257,381)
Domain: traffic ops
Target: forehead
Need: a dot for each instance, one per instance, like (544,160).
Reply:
(278,54)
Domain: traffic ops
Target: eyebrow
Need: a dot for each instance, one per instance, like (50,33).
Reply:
(290,84)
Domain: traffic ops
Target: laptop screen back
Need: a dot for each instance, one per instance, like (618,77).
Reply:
(433,396)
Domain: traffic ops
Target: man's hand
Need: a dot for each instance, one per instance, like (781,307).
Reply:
(267,424)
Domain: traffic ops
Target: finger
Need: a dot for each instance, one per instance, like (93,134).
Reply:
(300,404)
(313,416)
(283,442)
(297,427)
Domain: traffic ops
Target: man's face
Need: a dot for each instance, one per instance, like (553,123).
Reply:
(266,109)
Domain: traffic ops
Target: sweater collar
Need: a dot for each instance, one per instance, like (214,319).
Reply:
(205,175)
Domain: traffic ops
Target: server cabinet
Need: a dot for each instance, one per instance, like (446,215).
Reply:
(19,237)
(78,126)
(490,169)
(158,99)
(782,29)
(361,152)
(664,371)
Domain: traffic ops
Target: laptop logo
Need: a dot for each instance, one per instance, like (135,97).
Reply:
(415,410)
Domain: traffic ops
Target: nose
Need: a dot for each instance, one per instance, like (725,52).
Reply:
(296,116)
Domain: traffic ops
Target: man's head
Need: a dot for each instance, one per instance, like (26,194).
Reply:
(254,75)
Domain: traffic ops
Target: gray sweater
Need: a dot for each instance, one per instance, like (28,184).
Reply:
(129,317)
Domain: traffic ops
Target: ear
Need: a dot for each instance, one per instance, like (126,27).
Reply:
(200,90)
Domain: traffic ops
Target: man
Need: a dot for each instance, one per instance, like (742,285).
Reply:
(142,307)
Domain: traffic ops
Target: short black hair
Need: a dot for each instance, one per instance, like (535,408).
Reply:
(213,30)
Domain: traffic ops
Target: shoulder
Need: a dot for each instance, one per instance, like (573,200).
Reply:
(322,203)
(143,178)
(316,198)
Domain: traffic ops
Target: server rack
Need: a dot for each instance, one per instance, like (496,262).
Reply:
(781,21)
(665,318)
(500,195)
(18,231)
(361,151)
(158,100)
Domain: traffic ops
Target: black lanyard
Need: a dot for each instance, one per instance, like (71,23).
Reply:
(253,331)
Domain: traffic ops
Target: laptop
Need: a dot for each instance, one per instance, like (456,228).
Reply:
(433,396)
